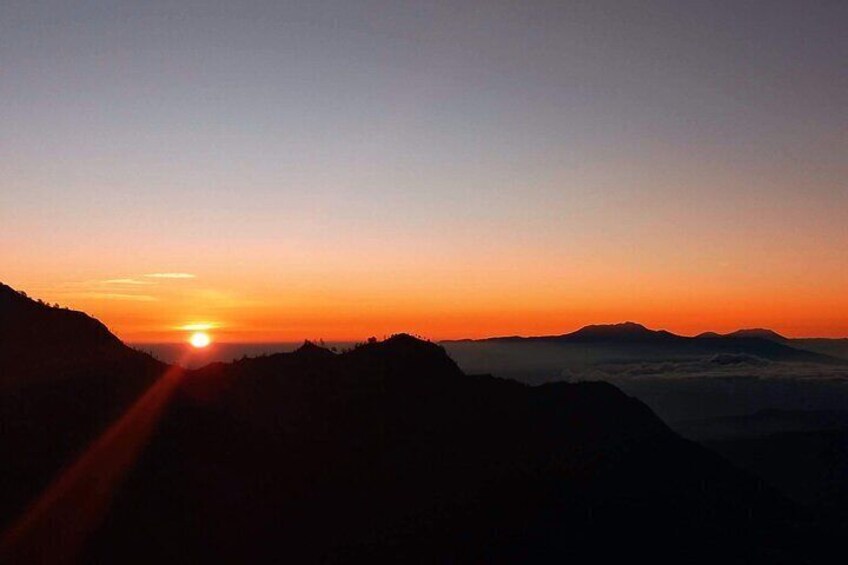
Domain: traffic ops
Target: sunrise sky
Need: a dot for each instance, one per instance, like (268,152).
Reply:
(346,169)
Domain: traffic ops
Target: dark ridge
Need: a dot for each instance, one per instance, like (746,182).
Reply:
(39,341)
(388,452)
(312,350)
(759,333)
(762,348)
(599,332)
(25,319)
(63,378)
(629,341)
(708,335)
(402,345)
(623,331)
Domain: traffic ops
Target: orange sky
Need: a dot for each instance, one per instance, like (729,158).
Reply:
(338,172)
(444,298)
(547,264)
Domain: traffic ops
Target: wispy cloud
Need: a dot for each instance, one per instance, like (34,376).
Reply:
(170,275)
(133,282)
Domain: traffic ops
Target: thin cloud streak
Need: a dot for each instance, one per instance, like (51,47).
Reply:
(134,282)
(171,275)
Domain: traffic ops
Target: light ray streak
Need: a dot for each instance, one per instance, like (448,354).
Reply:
(56,525)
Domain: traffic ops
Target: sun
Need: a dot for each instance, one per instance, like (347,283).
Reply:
(200,339)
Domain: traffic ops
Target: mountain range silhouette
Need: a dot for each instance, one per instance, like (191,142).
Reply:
(630,340)
(386,452)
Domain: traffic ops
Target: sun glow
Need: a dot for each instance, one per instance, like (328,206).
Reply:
(200,339)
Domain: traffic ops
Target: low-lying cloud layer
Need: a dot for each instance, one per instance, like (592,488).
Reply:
(718,366)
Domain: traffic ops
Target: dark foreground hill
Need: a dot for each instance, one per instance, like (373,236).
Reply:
(39,342)
(802,453)
(63,378)
(389,452)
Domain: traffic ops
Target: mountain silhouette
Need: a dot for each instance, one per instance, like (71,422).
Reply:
(631,341)
(626,331)
(389,452)
(63,378)
(42,341)
(830,347)
(761,333)
(618,332)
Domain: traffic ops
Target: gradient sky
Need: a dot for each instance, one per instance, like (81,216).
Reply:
(454,169)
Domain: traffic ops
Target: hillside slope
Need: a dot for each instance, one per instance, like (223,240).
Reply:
(63,378)
(390,453)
